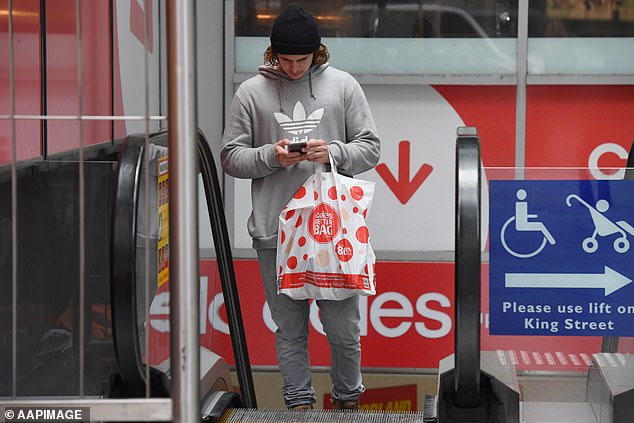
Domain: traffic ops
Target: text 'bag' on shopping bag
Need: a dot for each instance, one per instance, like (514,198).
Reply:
(323,245)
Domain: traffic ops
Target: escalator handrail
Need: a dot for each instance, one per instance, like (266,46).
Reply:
(629,171)
(467,268)
(123,263)
(217,219)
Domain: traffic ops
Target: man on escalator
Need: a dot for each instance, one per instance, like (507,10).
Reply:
(298,97)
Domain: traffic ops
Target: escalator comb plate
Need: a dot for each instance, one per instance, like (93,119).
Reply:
(245,415)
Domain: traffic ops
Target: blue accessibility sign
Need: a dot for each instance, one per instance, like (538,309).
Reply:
(561,257)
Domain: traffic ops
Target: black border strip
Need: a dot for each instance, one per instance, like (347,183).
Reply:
(111,67)
(43,81)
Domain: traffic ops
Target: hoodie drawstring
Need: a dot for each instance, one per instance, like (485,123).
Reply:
(279,88)
(279,94)
(310,82)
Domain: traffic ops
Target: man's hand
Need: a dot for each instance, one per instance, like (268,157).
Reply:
(287,158)
(317,151)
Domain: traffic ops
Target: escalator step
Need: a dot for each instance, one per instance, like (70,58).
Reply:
(245,415)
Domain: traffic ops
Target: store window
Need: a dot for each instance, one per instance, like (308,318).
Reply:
(581,18)
(395,37)
(389,18)
(581,37)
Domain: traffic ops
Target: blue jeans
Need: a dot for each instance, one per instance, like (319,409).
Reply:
(340,320)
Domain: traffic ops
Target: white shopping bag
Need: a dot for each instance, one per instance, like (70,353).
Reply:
(323,246)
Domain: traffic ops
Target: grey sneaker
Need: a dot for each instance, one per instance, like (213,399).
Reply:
(301,407)
(345,405)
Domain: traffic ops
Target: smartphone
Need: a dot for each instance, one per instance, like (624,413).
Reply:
(296,146)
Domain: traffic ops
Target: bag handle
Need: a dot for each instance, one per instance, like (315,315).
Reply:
(321,167)
(333,168)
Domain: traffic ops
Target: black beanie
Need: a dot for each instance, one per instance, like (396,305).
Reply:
(295,32)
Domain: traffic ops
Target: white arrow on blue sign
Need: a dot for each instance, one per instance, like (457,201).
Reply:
(557,249)
(609,280)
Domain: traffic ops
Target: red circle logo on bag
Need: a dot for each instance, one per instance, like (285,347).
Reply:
(323,223)
(344,250)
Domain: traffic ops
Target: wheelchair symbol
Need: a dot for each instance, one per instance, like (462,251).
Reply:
(523,224)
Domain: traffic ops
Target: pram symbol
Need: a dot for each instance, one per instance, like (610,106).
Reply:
(603,226)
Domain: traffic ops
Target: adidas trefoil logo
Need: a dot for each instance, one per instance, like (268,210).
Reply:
(299,124)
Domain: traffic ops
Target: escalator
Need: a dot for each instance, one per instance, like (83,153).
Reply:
(130,230)
(464,391)
(136,233)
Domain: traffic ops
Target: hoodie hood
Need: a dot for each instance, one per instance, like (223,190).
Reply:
(280,77)
(272,73)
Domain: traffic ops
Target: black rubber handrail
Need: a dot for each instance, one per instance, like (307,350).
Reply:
(467,269)
(123,265)
(629,171)
(213,194)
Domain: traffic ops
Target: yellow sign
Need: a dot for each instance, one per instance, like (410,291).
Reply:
(163,222)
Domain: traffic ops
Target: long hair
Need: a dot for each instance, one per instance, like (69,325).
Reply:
(320,56)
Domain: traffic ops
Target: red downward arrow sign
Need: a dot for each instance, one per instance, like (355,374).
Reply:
(404,188)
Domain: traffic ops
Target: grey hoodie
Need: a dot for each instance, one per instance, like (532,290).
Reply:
(326,103)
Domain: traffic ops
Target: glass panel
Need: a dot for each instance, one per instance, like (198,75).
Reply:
(63,82)
(27,71)
(48,279)
(134,51)
(557,239)
(395,37)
